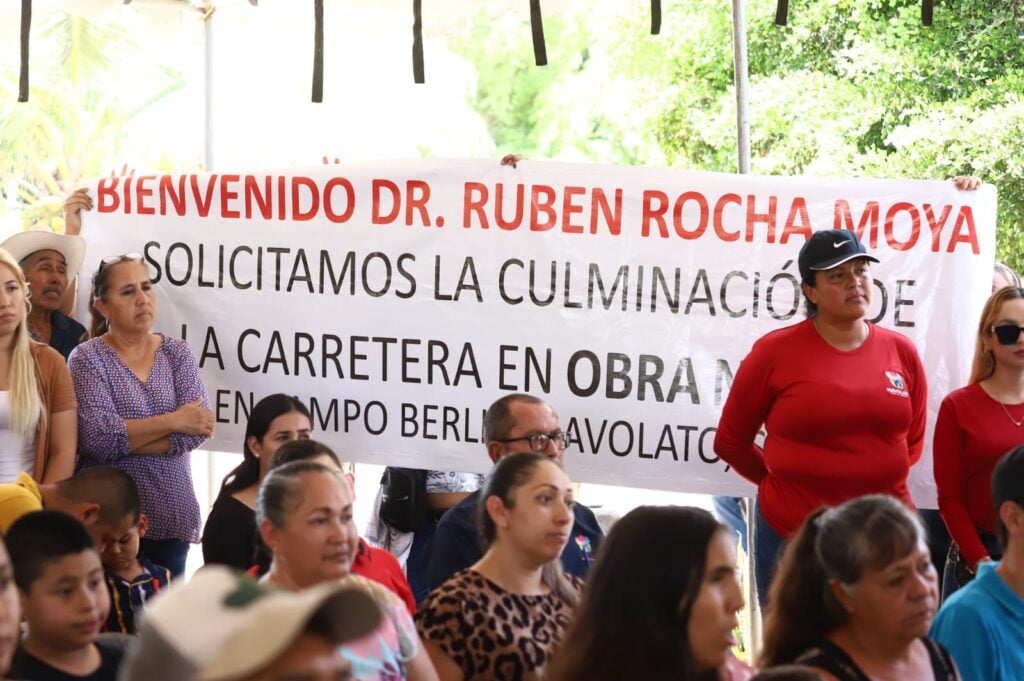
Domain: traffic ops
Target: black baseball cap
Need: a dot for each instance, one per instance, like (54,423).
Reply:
(827,249)
(1008,478)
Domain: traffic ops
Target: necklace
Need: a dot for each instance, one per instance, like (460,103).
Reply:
(1012,420)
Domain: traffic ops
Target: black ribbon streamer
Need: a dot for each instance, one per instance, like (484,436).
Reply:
(782,13)
(26,26)
(540,54)
(655,17)
(927,9)
(417,41)
(318,51)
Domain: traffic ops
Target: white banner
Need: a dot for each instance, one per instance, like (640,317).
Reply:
(398,300)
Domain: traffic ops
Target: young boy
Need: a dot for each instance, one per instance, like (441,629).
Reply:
(96,496)
(59,577)
(130,578)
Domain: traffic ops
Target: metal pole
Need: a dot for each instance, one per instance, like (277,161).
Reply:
(754,630)
(741,77)
(741,71)
(208,88)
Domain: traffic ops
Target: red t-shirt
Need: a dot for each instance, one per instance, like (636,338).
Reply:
(382,567)
(971,434)
(840,424)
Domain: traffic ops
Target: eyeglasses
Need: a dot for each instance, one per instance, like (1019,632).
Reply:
(539,441)
(1007,334)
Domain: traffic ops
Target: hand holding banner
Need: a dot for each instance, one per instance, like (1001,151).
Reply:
(398,300)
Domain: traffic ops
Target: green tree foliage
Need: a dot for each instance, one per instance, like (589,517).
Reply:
(571,109)
(852,88)
(72,127)
(848,88)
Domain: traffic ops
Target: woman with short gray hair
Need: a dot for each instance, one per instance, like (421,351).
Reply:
(854,597)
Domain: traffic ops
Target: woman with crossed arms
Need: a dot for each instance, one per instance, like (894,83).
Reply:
(142,406)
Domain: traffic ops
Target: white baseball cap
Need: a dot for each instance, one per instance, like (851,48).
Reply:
(222,625)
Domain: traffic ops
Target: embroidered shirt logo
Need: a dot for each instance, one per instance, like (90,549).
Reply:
(897,385)
(583,544)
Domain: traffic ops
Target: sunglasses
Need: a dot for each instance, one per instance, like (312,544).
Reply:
(117,259)
(124,257)
(1007,334)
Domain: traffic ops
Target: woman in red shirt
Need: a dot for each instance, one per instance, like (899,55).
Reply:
(842,400)
(977,424)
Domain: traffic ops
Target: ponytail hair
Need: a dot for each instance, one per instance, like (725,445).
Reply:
(833,545)
(512,472)
(98,324)
(800,605)
(26,403)
(247,473)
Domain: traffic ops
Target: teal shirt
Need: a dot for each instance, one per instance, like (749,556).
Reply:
(982,625)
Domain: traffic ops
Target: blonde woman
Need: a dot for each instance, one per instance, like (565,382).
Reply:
(976,425)
(38,417)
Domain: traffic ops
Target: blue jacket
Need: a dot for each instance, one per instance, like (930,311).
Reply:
(66,333)
(456,542)
(982,625)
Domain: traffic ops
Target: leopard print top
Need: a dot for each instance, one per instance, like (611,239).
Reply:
(491,633)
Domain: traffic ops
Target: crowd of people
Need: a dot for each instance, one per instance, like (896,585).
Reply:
(512,578)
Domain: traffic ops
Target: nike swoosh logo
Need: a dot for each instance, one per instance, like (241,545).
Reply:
(837,244)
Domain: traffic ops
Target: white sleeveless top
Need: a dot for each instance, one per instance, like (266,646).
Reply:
(17,452)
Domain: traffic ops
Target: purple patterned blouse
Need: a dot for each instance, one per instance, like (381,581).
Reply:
(109,393)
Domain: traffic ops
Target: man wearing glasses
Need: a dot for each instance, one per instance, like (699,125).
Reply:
(515,423)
